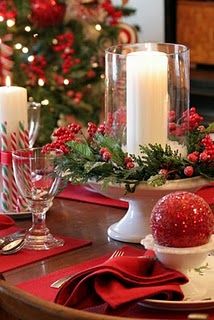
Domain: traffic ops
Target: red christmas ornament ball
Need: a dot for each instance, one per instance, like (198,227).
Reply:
(182,219)
(46,13)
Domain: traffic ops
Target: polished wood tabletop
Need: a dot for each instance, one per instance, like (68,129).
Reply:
(78,220)
(75,219)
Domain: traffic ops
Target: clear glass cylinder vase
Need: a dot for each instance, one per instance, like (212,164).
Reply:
(147,95)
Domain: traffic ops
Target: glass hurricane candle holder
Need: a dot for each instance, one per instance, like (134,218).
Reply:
(147,95)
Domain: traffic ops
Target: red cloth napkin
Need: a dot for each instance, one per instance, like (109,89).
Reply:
(122,280)
(5,221)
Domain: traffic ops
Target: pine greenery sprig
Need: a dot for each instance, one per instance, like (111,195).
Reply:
(84,163)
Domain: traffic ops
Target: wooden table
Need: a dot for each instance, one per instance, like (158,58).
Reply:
(79,220)
(75,219)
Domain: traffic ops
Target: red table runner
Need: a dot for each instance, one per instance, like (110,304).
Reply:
(207,193)
(40,287)
(83,193)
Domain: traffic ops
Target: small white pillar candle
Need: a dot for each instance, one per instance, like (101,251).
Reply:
(13,111)
(147,99)
(13,106)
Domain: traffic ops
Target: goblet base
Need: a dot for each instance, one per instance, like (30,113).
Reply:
(42,242)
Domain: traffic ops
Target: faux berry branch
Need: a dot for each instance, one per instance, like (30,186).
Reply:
(97,156)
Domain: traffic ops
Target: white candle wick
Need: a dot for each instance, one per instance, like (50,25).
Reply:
(8,81)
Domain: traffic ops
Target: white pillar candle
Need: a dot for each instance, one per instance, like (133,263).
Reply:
(13,110)
(147,99)
(13,107)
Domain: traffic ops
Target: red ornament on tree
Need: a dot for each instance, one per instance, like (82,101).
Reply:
(182,219)
(47,13)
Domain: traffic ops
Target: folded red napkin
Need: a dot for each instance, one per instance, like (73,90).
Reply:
(5,221)
(122,280)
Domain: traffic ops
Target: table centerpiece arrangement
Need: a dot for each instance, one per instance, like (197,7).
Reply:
(99,159)
(150,144)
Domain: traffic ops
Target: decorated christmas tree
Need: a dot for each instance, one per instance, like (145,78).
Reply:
(55,49)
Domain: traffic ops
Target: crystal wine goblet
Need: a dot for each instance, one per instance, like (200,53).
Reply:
(38,181)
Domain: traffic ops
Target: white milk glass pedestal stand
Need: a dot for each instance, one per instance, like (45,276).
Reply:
(135,225)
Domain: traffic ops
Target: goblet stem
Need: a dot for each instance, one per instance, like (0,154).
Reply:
(39,236)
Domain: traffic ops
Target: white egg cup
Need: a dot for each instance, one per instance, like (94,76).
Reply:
(181,259)
(187,261)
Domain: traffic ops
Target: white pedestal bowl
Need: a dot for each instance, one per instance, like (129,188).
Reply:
(135,225)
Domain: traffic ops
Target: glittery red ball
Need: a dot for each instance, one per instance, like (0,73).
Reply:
(182,219)
(46,13)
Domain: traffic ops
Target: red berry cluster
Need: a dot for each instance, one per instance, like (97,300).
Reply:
(64,41)
(208,152)
(116,122)
(190,121)
(194,118)
(113,13)
(205,156)
(101,129)
(90,74)
(76,96)
(63,135)
(129,163)
(59,80)
(35,70)
(193,157)
(105,154)
(93,129)
(70,132)
(7,10)
(64,47)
